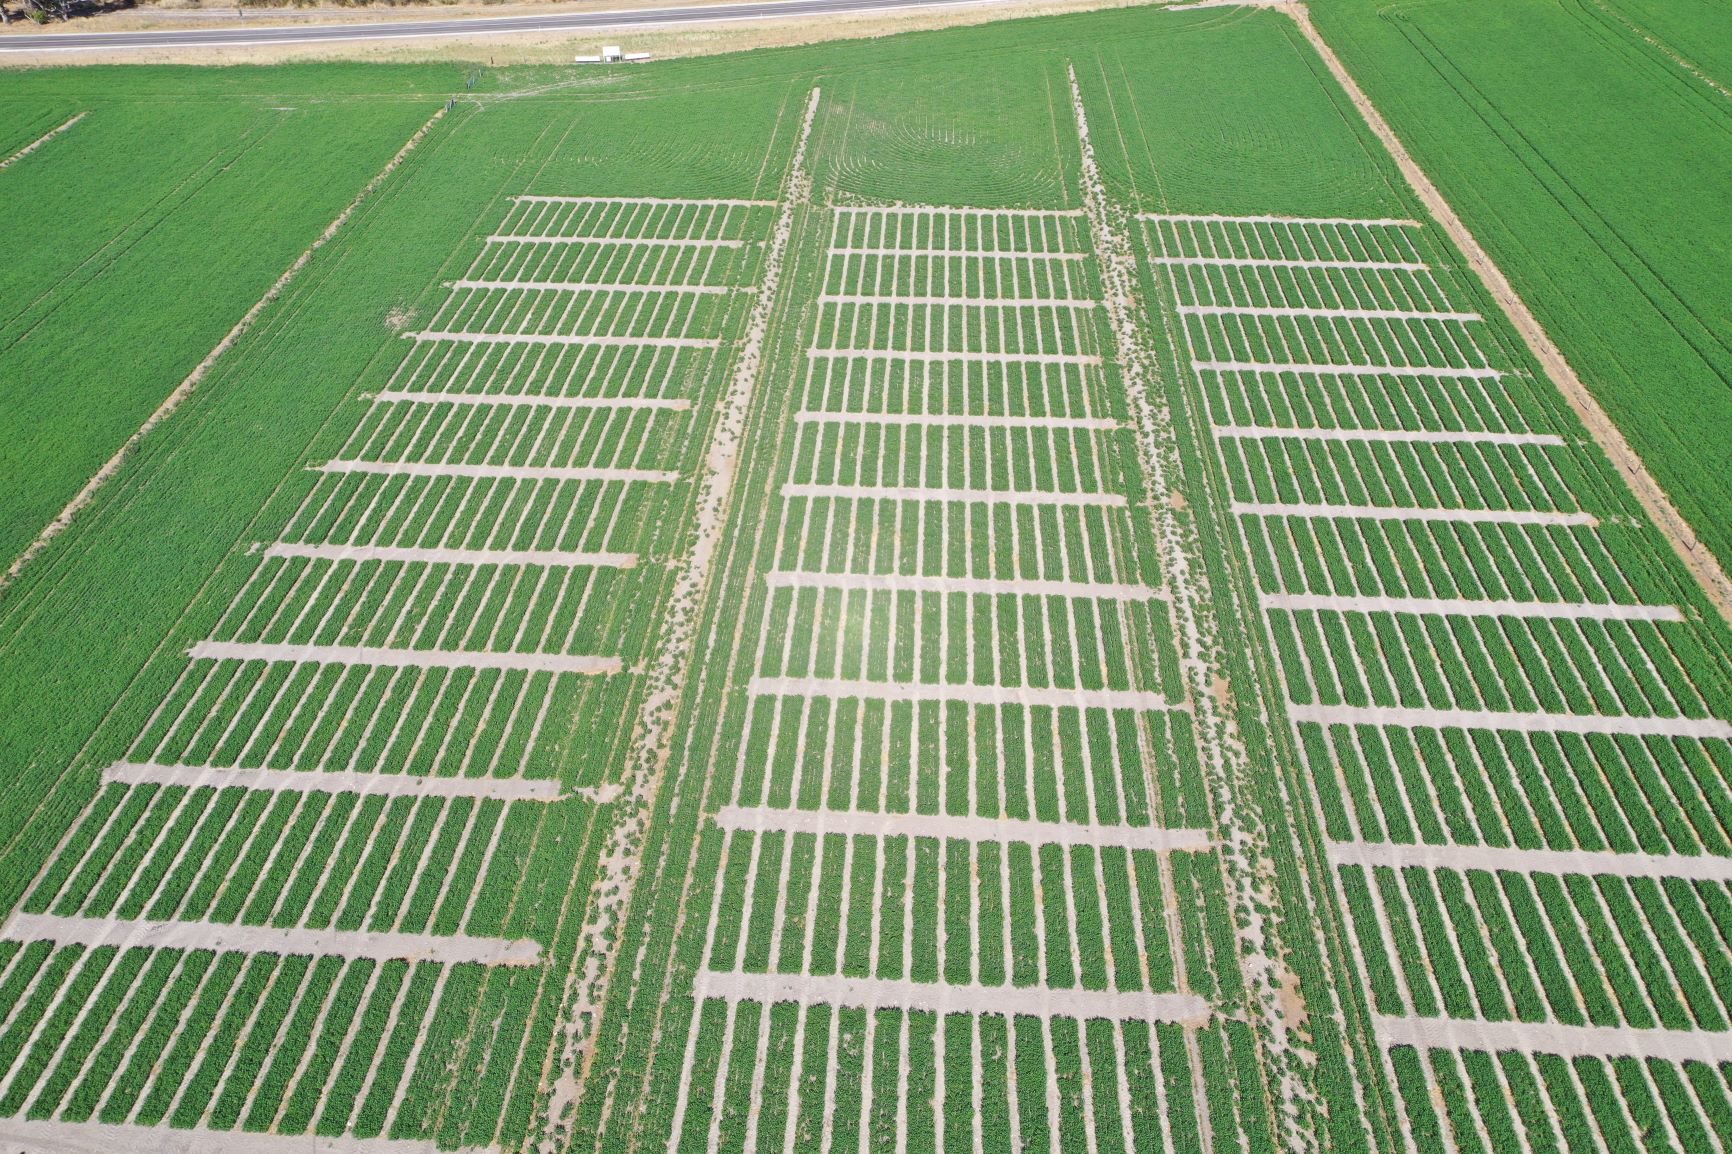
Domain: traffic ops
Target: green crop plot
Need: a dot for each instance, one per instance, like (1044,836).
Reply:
(990,591)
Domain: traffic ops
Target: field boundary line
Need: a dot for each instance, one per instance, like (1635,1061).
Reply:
(1328,370)
(966,496)
(1297,311)
(952,998)
(1056,696)
(620,859)
(1700,562)
(131,933)
(1413,513)
(952,210)
(984,586)
(410,554)
(947,827)
(192,380)
(106,1137)
(1508,859)
(963,253)
(678,202)
(332,781)
(1467,607)
(1272,1005)
(641,241)
(954,420)
(1428,718)
(484,472)
(40,141)
(971,302)
(1217,218)
(1555,1038)
(562,339)
(404,658)
(530,400)
(1431,436)
(1291,262)
(599,286)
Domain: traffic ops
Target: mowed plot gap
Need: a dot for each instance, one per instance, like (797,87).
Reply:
(961,864)
(1520,762)
(304,876)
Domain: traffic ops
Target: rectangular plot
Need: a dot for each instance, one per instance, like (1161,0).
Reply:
(1347,370)
(565,339)
(1326,313)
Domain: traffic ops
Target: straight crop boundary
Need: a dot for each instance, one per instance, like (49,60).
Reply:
(1700,562)
(190,384)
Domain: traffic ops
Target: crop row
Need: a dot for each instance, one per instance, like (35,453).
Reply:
(1324,400)
(767,1076)
(1533,791)
(1414,342)
(959,913)
(1051,460)
(1534,947)
(531,435)
(1449,475)
(626,218)
(1286,240)
(1300,286)
(556,370)
(949,229)
(974,539)
(1390,558)
(223,1040)
(953,387)
(439,512)
(602,262)
(1025,762)
(1442,661)
(613,312)
(1478,1103)
(968,639)
(287,859)
(365,718)
(1019,329)
(425,605)
(1008,277)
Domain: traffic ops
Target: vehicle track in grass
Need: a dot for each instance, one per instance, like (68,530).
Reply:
(1696,558)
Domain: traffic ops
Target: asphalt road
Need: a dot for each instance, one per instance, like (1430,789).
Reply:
(469,26)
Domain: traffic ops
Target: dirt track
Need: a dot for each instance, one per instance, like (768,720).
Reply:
(1606,434)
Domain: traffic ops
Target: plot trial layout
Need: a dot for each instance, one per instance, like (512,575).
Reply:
(783,668)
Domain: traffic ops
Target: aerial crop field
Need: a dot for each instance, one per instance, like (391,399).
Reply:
(1584,142)
(994,590)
